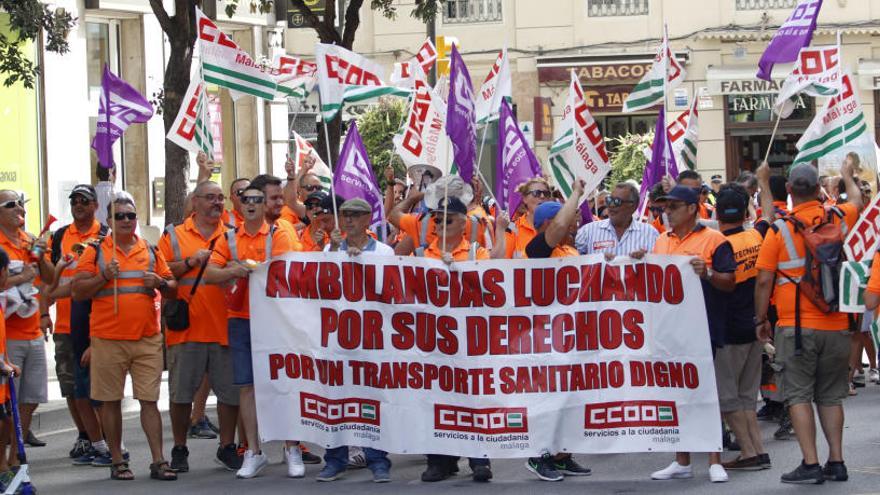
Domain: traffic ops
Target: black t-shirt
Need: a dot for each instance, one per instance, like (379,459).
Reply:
(716,300)
(538,247)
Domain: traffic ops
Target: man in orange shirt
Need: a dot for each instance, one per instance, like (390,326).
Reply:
(121,279)
(25,335)
(233,217)
(319,206)
(275,208)
(816,370)
(713,261)
(85,228)
(254,242)
(202,348)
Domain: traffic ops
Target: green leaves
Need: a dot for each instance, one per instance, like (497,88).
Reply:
(627,158)
(377,126)
(26,20)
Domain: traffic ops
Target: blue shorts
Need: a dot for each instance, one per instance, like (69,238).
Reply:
(81,380)
(240,345)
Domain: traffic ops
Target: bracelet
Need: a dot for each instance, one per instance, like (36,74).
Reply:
(291,178)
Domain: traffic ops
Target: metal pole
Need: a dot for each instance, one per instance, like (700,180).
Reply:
(432,34)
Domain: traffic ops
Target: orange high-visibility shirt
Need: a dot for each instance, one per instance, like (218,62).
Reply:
(71,236)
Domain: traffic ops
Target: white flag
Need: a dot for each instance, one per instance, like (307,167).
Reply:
(578,151)
(496,86)
(422,139)
(683,135)
(402,75)
(304,148)
(295,77)
(817,73)
(191,129)
(649,91)
(228,66)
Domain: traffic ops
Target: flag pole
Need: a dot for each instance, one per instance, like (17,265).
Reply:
(329,160)
(480,160)
(840,82)
(772,137)
(666,54)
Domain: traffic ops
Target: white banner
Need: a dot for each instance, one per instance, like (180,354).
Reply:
(503,359)
(862,241)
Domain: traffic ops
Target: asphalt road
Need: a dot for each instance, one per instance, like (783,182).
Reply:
(625,473)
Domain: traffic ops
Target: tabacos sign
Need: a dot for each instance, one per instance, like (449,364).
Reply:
(607,415)
(339,411)
(490,421)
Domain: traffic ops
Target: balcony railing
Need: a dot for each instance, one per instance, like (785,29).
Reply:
(471,11)
(612,8)
(765,4)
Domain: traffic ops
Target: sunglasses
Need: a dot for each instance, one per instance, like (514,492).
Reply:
(612,201)
(353,214)
(79,200)
(12,203)
(312,189)
(438,219)
(252,200)
(539,193)
(211,198)
(238,192)
(128,215)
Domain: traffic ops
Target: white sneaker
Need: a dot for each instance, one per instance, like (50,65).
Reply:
(717,474)
(295,466)
(356,458)
(874,375)
(251,465)
(674,471)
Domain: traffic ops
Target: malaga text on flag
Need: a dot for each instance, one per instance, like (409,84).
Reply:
(817,73)
(191,129)
(422,140)
(795,34)
(345,76)
(354,176)
(228,66)
(121,105)
(402,75)
(650,91)
(516,162)
(461,123)
(495,88)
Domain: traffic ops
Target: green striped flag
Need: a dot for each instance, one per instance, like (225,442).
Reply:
(664,413)
(228,66)
(853,281)
(191,129)
(515,420)
(683,135)
(295,77)
(840,126)
(650,91)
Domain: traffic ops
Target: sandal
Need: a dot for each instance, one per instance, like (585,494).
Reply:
(162,471)
(120,471)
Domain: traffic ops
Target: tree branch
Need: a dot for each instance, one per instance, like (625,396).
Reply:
(162,15)
(324,34)
(352,22)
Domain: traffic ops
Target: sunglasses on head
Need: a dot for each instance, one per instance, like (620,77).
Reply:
(312,189)
(539,193)
(79,200)
(127,215)
(252,200)
(12,203)
(612,201)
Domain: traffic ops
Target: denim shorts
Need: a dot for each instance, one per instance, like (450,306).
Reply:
(240,345)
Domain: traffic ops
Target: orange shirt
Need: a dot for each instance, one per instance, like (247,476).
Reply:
(411,224)
(657,223)
(288,214)
(701,242)
(137,315)
(773,252)
(564,251)
(309,244)
(18,328)
(251,247)
(295,241)
(232,218)
(874,281)
(517,242)
(206,323)
(62,305)
(459,253)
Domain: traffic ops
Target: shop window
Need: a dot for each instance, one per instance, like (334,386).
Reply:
(765,4)
(612,8)
(742,109)
(471,11)
(102,48)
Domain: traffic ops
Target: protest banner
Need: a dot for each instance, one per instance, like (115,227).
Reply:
(504,359)
(861,242)
(854,277)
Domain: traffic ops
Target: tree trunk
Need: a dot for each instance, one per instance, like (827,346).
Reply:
(176,158)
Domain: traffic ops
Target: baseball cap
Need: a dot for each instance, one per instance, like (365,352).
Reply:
(356,205)
(689,195)
(546,211)
(327,202)
(453,205)
(803,176)
(84,190)
(730,205)
(716,178)
(316,197)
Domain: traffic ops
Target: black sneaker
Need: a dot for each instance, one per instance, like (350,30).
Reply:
(211,426)
(543,468)
(727,440)
(180,459)
(482,474)
(80,447)
(228,457)
(805,475)
(569,467)
(33,441)
(770,412)
(436,472)
(309,458)
(764,461)
(786,429)
(202,431)
(835,471)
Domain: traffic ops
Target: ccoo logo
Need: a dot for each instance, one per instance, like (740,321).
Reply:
(336,411)
(631,413)
(490,421)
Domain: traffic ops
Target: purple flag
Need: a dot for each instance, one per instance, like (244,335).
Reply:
(796,33)
(662,159)
(121,106)
(354,177)
(516,162)
(461,123)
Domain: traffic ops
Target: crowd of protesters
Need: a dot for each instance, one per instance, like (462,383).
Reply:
(124,308)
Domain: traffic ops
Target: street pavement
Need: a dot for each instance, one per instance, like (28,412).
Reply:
(622,473)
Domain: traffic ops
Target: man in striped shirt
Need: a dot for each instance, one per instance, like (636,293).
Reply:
(619,234)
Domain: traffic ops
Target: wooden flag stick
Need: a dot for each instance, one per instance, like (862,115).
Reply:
(772,137)
(113,258)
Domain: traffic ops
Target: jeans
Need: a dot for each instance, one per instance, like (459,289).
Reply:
(338,458)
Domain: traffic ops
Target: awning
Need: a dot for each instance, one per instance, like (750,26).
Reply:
(740,79)
(759,34)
